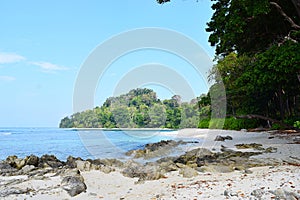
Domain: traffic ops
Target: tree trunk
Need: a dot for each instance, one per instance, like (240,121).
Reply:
(296,4)
(285,16)
(281,106)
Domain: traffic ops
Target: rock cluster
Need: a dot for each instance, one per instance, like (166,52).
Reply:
(261,194)
(223,138)
(152,150)
(189,165)
(37,167)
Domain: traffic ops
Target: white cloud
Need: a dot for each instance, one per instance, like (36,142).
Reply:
(7,78)
(10,58)
(49,67)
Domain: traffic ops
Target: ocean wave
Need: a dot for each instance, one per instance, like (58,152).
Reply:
(5,133)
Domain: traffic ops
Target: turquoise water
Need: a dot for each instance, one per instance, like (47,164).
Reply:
(64,142)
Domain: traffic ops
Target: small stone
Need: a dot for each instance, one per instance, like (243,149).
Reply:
(219,138)
(92,194)
(227,193)
(258,193)
(223,138)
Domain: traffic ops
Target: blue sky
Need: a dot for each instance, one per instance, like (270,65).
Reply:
(44,43)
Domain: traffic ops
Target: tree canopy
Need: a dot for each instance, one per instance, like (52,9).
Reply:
(257,60)
(139,108)
(257,57)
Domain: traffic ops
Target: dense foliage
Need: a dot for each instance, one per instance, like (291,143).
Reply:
(258,60)
(140,108)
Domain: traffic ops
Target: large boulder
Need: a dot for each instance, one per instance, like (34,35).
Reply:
(50,161)
(73,183)
(16,162)
(143,172)
(32,160)
(190,157)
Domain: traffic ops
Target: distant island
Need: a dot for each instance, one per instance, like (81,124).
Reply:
(140,108)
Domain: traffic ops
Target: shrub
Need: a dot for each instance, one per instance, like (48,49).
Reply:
(297,124)
(204,123)
(230,123)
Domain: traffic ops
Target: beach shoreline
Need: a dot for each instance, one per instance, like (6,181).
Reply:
(280,175)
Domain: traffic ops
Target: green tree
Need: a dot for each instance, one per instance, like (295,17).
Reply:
(157,114)
(247,26)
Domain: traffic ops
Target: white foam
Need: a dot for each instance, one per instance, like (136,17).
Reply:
(5,133)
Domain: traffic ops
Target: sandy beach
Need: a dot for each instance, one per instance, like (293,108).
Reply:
(277,178)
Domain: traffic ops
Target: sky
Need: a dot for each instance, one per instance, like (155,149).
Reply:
(43,45)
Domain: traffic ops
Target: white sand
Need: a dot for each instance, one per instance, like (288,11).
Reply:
(204,186)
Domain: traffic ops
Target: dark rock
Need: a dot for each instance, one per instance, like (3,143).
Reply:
(50,161)
(192,156)
(223,138)
(151,171)
(167,166)
(258,193)
(152,150)
(204,160)
(16,162)
(166,159)
(32,160)
(229,193)
(270,150)
(73,183)
(71,161)
(162,144)
(107,162)
(133,169)
(250,146)
(6,169)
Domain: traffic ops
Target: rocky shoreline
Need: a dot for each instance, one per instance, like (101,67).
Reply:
(193,164)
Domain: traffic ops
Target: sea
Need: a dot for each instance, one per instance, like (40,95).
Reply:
(77,143)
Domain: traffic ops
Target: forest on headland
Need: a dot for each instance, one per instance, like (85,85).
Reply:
(140,108)
(257,59)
